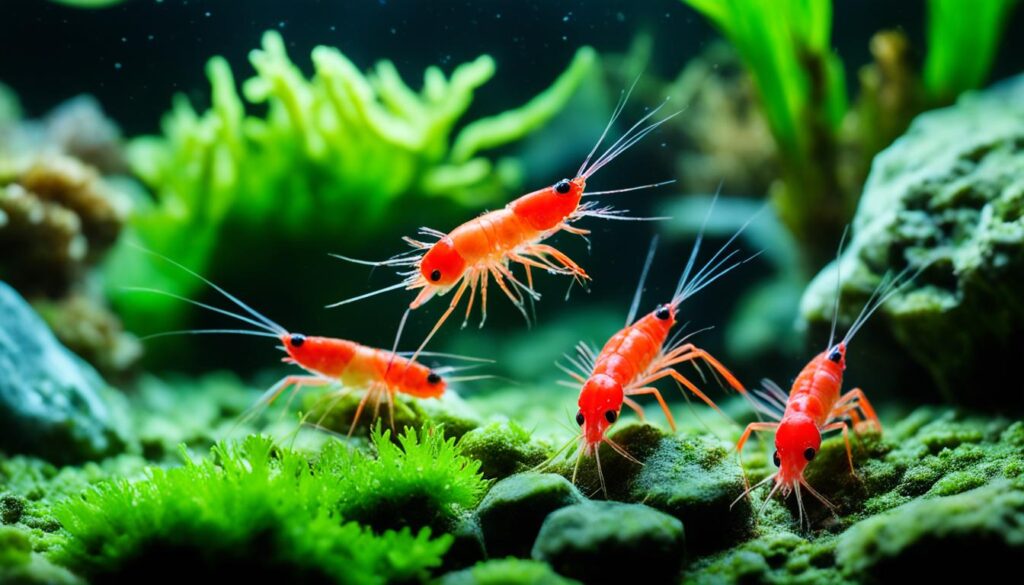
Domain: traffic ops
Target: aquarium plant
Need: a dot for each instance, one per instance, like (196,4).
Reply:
(253,508)
(786,47)
(338,145)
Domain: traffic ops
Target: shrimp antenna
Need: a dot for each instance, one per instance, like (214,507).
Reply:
(242,318)
(643,279)
(839,284)
(209,332)
(628,139)
(623,98)
(396,286)
(628,189)
(267,322)
(712,269)
(885,291)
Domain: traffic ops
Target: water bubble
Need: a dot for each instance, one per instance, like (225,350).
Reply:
(281,24)
(207,14)
(392,29)
(620,17)
(117,66)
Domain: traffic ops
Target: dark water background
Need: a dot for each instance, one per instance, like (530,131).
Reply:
(134,57)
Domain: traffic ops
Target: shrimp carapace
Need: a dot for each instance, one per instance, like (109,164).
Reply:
(482,249)
(642,353)
(815,405)
(329,361)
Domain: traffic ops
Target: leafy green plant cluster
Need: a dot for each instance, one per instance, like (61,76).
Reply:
(786,47)
(330,148)
(253,509)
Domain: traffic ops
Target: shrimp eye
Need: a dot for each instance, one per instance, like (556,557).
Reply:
(611,416)
(563,186)
(835,356)
(433,378)
(809,453)
(776,460)
(663,313)
(435,275)
(579,417)
(297,340)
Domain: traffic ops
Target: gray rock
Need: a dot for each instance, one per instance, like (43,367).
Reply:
(52,404)
(607,542)
(513,511)
(950,192)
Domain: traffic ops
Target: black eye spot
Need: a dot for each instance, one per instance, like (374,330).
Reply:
(611,416)
(563,186)
(433,378)
(809,453)
(835,356)
(297,340)
(579,417)
(435,275)
(663,313)
(776,460)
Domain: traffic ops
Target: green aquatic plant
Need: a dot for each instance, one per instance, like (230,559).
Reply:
(786,47)
(423,480)
(250,509)
(962,45)
(330,148)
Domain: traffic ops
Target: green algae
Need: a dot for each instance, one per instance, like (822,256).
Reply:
(250,509)
(503,448)
(509,571)
(514,509)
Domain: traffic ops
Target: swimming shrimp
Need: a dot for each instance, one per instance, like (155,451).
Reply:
(329,361)
(815,406)
(470,255)
(641,354)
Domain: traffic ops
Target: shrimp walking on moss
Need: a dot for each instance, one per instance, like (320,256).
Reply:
(470,255)
(641,354)
(815,405)
(329,361)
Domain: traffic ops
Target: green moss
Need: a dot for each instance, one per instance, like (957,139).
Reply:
(336,413)
(983,525)
(506,572)
(19,565)
(696,479)
(423,480)
(251,509)
(503,448)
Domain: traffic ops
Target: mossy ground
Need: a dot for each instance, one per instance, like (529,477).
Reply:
(359,494)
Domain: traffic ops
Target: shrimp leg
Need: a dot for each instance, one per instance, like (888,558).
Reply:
(669,372)
(857,397)
(689,352)
(846,439)
(660,399)
(755,426)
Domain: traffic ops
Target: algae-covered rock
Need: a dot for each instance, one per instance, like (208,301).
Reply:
(639,439)
(335,411)
(52,403)
(20,566)
(696,479)
(602,542)
(503,448)
(467,544)
(983,527)
(506,572)
(513,511)
(949,192)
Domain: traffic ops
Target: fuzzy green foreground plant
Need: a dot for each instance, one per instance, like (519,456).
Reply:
(252,509)
(331,159)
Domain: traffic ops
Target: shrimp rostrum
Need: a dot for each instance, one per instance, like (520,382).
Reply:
(467,258)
